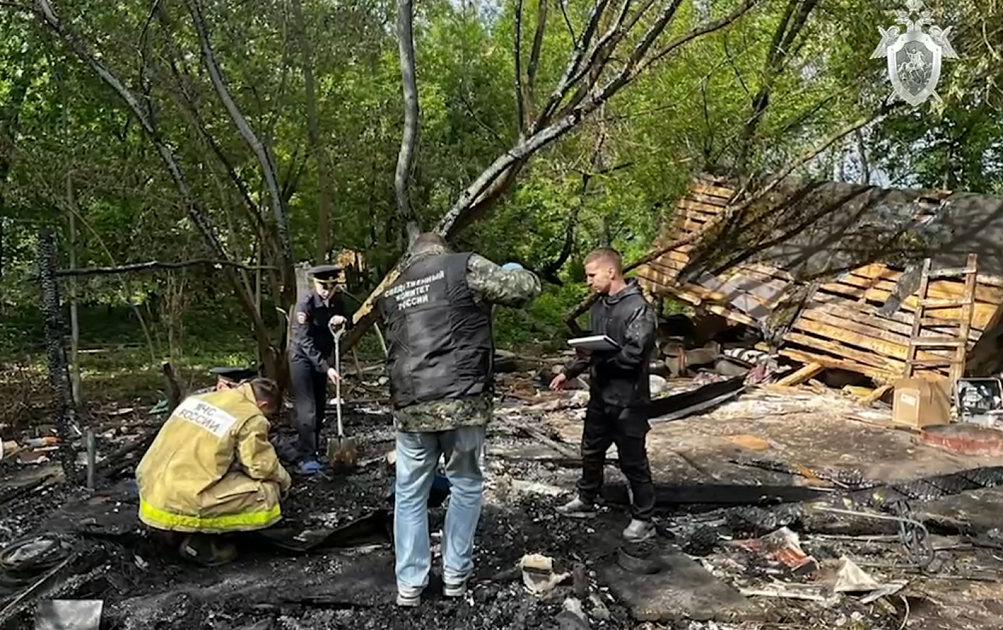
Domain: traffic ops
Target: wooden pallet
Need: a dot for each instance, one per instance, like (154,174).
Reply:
(957,342)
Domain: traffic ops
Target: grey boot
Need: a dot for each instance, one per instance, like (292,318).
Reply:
(639,531)
(577,508)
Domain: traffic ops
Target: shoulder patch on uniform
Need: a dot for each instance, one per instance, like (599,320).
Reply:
(301,317)
(206,415)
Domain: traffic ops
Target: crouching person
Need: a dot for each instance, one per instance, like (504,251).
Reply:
(211,470)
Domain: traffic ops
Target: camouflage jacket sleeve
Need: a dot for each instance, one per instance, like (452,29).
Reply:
(494,285)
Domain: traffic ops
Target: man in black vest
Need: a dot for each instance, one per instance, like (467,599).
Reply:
(438,321)
(310,355)
(619,391)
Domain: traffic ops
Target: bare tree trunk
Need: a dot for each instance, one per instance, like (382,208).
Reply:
(257,147)
(561,115)
(59,376)
(274,363)
(865,169)
(409,139)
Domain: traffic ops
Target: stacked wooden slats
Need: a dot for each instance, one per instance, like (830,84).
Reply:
(746,293)
(841,326)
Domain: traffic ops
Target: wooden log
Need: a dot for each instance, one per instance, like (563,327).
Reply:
(801,375)
(875,395)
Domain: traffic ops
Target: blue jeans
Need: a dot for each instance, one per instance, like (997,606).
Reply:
(417,457)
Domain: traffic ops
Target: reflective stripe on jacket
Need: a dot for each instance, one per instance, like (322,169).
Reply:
(211,468)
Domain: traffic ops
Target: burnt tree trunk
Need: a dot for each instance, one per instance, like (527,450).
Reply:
(59,373)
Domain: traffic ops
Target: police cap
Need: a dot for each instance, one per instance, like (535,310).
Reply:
(234,374)
(325,273)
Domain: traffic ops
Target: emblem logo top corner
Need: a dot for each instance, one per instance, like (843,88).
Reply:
(914,55)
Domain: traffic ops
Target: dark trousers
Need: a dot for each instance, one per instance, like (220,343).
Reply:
(310,401)
(625,427)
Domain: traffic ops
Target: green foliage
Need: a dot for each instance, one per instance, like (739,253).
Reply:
(68,145)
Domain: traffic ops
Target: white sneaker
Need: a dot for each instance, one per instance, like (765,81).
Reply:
(639,531)
(408,600)
(577,508)
(454,590)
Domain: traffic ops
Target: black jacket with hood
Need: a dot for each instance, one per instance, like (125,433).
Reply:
(620,378)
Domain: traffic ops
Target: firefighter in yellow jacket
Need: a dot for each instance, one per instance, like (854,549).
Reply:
(211,469)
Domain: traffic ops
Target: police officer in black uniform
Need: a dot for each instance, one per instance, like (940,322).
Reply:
(311,356)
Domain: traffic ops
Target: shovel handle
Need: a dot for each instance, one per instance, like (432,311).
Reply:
(337,383)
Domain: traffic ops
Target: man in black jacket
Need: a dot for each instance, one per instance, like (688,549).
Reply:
(619,392)
(310,357)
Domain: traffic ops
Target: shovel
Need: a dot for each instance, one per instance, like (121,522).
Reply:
(344,453)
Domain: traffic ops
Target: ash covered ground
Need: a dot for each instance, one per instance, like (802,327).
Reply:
(143,585)
(349,582)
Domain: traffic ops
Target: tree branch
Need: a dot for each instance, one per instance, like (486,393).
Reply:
(46,13)
(260,151)
(406,157)
(581,47)
(146,266)
(520,103)
(499,176)
(534,56)
(734,209)
(776,61)
(567,20)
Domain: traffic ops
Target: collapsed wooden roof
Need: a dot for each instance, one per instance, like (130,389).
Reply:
(828,271)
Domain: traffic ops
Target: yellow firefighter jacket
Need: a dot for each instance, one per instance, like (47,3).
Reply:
(211,468)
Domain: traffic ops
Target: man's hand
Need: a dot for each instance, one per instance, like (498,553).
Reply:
(333,376)
(337,321)
(558,382)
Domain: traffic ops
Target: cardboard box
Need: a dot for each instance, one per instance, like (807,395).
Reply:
(921,403)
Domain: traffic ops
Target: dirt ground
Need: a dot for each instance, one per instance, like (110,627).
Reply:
(338,586)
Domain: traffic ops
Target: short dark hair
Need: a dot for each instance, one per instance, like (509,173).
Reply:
(608,254)
(427,241)
(266,390)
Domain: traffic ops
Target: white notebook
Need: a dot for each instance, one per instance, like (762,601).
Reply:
(595,343)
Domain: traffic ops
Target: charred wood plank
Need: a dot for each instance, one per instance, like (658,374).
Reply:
(59,372)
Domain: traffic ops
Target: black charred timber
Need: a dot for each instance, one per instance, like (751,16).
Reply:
(679,406)
(59,372)
(668,496)
(894,498)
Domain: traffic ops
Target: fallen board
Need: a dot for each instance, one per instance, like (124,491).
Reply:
(682,590)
